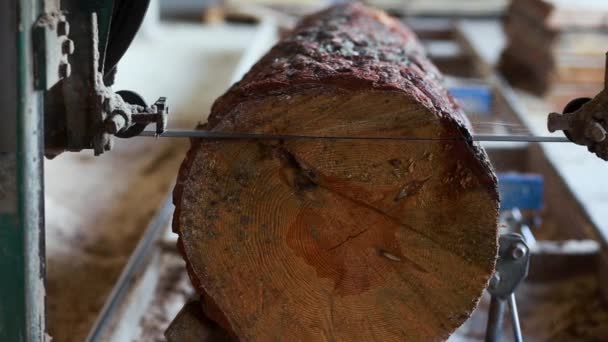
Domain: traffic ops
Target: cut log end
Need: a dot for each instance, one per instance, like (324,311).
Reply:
(353,240)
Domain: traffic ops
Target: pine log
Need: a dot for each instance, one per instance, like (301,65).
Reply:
(330,239)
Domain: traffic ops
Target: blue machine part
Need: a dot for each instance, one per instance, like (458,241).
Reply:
(520,190)
(475,99)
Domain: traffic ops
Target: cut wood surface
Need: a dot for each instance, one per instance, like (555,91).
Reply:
(339,240)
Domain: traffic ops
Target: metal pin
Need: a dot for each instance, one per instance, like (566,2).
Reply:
(515,318)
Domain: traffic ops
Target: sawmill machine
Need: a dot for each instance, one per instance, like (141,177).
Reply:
(58,64)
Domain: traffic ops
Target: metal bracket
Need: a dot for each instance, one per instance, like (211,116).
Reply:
(585,121)
(131,125)
(83,112)
(516,222)
(511,269)
(52,47)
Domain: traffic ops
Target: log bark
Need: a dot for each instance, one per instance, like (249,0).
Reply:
(347,240)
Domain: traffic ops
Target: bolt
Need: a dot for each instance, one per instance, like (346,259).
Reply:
(494,281)
(115,123)
(558,122)
(65,69)
(67,47)
(519,251)
(595,131)
(63,28)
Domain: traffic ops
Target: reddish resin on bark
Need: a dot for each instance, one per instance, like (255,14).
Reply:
(349,46)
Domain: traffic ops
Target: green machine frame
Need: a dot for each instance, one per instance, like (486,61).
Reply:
(22,315)
(22,249)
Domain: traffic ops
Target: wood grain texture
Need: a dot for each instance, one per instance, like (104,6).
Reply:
(339,240)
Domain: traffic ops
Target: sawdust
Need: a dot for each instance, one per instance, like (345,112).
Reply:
(94,221)
(173,291)
(566,310)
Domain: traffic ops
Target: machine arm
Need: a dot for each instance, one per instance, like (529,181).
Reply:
(585,121)
(79,47)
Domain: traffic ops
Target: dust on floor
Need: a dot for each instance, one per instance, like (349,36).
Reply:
(565,310)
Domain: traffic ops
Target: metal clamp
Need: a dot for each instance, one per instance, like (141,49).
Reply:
(133,116)
(511,270)
(585,121)
(516,222)
(82,111)
(157,114)
(52,49)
